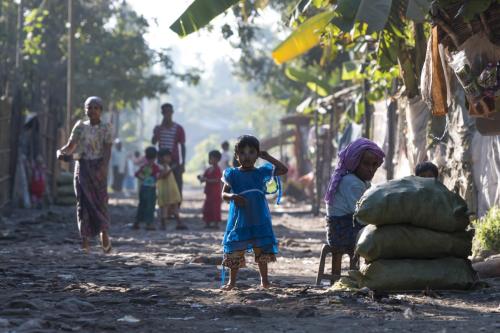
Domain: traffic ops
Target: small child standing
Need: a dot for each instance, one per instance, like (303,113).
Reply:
(147,174)
(169,196)
(37,184)
(249,220)
(213,187)
(427,169)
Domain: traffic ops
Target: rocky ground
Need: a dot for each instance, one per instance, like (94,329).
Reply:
(168,281)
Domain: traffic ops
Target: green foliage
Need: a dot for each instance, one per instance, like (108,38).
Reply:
(417,10)
(470,9)
(262,118)
(200,13)
(112,58)
(351,71)
(487,228)
(346,10)
(313,80)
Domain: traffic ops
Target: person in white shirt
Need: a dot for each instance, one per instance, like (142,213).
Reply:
(225,161)
(118,164)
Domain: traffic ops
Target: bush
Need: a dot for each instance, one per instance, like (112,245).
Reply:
(487,237)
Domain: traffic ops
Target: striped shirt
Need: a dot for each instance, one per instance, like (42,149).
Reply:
(170,138)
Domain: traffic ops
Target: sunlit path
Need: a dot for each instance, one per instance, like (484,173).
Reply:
(169,281)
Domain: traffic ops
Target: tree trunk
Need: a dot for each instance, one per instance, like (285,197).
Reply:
(391,138)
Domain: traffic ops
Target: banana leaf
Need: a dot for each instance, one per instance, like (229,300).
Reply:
(351,70)
(417,9)
(374,13)
(346,10)
(199,14)
(321,87)
(304,38)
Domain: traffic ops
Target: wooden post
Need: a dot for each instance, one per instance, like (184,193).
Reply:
(141,128)
(69,83)
(391,138)
(368,116)
(392,125)
(316,201)
(19,34)
(281,141)
(16,105)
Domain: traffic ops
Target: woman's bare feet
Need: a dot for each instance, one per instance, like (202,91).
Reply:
(227,287)
(265,285)
(105,242)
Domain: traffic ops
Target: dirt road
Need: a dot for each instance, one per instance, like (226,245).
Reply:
(157,281)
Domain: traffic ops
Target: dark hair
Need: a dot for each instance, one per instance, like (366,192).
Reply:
(137,153)
(426,166)
(164,106)
(246,141)
(150,153)
(216,154)
(225,144)
(164,152)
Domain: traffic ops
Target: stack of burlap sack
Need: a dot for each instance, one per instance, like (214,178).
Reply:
(65,193)
(415,237)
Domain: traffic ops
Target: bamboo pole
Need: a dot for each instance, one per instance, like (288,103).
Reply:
(316,200)
(69,83)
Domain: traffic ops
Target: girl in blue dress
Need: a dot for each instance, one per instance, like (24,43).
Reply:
(249,221)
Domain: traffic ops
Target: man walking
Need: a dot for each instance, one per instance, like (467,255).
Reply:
(170,135)
(118,164)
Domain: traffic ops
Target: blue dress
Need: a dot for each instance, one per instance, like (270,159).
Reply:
(249,226)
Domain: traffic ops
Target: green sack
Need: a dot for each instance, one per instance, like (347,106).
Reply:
(406,241)
(422,202)
(416,274)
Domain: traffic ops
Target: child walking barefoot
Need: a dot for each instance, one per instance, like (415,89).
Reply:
(213,187)
(37,185)
(148,175)
(169,196)
(249,221)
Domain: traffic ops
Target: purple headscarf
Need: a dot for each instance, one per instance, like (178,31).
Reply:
(349,159)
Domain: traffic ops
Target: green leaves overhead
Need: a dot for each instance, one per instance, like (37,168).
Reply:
(352,70)
(314,82)
(374,13)
(304,38)
(472,8)
(199,14)
(417,9)
(346,11)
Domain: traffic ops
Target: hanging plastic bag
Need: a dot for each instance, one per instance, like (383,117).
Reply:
(273,186)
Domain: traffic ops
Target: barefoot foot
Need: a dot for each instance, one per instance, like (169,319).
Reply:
(227,287)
